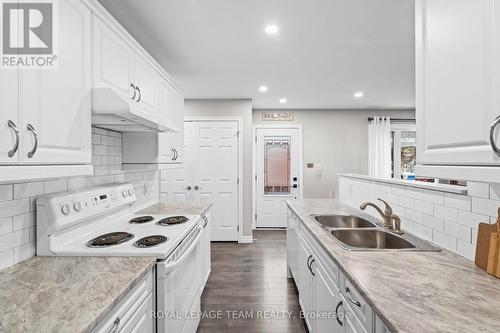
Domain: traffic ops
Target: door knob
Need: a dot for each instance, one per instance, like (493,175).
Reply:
(188,188)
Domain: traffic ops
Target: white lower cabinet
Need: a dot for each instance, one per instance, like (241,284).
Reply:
(292,245)
(141,320)
(325,295)
(304,283)
(380,326)
(134,313)
(329,301)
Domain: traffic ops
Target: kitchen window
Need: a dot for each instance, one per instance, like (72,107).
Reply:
(403,151)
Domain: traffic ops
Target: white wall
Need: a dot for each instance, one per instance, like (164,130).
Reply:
(17,201)
(449,220)
(232,108)
(338,140)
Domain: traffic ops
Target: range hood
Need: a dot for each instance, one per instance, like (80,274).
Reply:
(114,112)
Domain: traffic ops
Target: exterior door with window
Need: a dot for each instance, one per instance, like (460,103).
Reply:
(277,174)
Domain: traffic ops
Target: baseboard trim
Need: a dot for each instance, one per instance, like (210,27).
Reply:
(245,240)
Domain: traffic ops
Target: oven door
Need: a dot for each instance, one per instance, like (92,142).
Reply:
(178,285)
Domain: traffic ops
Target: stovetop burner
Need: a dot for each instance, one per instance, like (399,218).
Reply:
(141,219)
(112,238)
(150,241)
(173,220)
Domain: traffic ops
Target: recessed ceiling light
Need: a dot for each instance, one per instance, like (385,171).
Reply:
(282,100)
(358,94)
(272,29)
(263,89)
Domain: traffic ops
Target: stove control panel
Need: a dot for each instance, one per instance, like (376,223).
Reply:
(67,209)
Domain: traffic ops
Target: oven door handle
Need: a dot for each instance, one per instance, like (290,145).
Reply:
(171,266)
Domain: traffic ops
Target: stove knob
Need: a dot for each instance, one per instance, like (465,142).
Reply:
(77,206)
(124,193)
(130,192)
(65,209)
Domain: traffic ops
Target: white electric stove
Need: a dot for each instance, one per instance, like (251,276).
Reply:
(101,221)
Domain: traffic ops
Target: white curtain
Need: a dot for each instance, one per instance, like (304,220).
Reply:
(379,147)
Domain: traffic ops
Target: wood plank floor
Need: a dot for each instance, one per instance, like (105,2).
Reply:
(248,289)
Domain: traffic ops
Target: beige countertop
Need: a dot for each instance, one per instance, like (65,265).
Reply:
(412,291)
(177,208)
(65,294)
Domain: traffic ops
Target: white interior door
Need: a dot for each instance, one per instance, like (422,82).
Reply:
(215,174)
(277,160)
(209,174)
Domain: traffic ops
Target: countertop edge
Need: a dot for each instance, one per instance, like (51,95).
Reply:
(156,208)
(122,295)
(352,278)
(461,190)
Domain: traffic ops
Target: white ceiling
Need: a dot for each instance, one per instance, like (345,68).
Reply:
(325,51)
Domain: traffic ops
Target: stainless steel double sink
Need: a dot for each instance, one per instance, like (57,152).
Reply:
(355,233)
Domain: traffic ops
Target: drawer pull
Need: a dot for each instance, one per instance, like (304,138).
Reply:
(310,267)
(495,123)
(309,258)
(16,131)
(114,329)
(337,314)
(135,91)
(348,296)
(140,95)
(35,146)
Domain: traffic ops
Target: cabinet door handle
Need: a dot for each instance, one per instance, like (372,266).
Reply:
(495,123)
(114,329)
(173,156)
(140,95)
(349,298)
(310,267)
(196,187)
(309,258)
(206,220)
(188,188)
(135,91)
(35,146)
(176,154)
(337,314)
(13,126)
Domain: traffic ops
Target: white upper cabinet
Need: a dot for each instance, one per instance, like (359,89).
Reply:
(9,119)
(172,143)
(147,82)
(113,61)
(54,114)
(130,72)
(45,122)
(457,84)
(159,150)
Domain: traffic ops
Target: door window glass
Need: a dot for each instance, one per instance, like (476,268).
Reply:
(276,166)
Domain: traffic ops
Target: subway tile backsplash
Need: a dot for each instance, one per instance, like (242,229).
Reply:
(449,220)
(17,201)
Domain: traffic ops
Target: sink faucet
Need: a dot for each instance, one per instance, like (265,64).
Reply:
(392,222)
